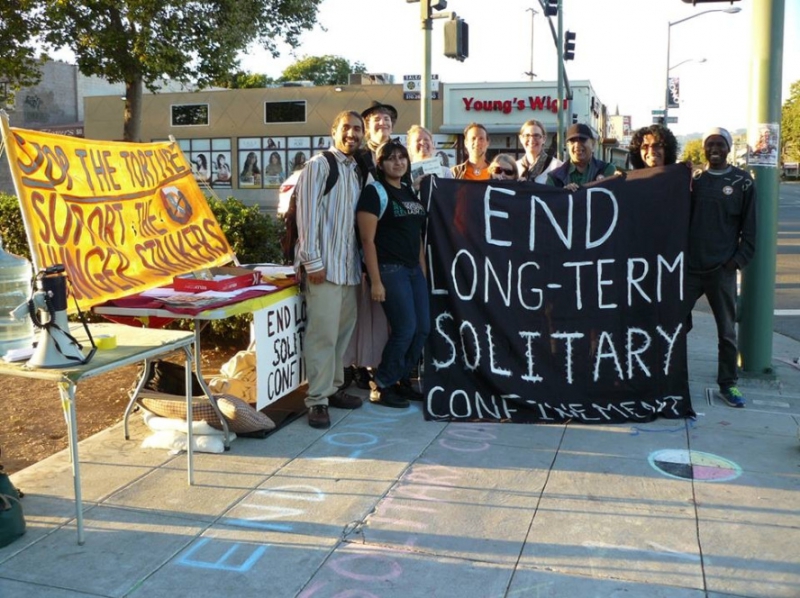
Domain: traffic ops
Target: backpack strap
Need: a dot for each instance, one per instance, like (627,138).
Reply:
(333,171)
(382,196)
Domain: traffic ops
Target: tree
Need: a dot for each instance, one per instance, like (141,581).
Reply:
(790,125)
(140,42)
(322,70)
(20,25)
(243,80)
(693,150)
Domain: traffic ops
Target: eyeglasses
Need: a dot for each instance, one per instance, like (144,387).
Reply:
(506,171)
(656,147)
(535,136)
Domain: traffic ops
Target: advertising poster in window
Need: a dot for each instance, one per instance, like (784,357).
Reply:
(250,169)
(299,142)
(275,168)
(221,170)
(298,158)
(200,167)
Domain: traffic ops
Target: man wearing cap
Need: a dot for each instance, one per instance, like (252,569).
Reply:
(722,236)
(582,167)
(379,121)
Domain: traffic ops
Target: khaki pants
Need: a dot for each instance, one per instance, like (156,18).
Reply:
(331,310)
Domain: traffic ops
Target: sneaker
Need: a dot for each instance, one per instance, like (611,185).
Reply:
(342,400)
(406,390)
(732,396)
(388,397)
(318,417)
(362,377)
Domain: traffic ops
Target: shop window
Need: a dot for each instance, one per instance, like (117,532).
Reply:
(285,112)
(189,115)
(210,160)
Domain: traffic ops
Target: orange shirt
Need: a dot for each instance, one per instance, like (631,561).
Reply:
(476,174)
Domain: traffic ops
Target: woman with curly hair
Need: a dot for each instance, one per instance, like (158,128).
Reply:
(653,146)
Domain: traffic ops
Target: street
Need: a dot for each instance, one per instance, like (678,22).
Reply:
(787,276)
(787,280)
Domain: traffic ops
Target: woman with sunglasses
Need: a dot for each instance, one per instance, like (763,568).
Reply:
(503,168)
(391,221)
(536,162)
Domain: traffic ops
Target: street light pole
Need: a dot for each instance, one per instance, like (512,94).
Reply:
(729,11)
(530,73)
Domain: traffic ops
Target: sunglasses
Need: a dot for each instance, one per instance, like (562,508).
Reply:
(656,147)
(506,171)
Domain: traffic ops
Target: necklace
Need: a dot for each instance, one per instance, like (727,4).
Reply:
(476,170)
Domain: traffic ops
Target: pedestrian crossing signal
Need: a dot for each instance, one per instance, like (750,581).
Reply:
(456,39)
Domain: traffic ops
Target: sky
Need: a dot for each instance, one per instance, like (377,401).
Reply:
(621,48)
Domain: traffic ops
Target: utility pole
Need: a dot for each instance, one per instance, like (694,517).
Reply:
(426,8)
(559,46)
(425,103)
(530,73)
(758,278)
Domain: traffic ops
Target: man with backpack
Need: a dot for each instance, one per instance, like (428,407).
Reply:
(328,259)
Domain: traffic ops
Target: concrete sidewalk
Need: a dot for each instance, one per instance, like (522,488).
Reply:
(386,504)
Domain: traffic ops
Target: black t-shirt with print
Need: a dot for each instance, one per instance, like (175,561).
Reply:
(399,233)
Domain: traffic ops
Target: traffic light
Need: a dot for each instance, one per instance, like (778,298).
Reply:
(569,46)
(550,7)
(456,39)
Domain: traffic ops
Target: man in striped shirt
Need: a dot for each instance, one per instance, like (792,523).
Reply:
(328,259)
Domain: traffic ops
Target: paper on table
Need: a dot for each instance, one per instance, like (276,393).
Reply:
(20,354)
(274,271)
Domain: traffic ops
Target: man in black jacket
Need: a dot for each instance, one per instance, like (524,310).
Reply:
(722,235)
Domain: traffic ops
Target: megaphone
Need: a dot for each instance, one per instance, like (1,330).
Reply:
(56,347)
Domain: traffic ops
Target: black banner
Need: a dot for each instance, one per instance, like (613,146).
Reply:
(549,306)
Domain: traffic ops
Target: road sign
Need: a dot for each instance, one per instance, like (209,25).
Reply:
(671,120)
(657,112)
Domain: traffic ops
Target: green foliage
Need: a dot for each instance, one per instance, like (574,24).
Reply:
(141,42)
(20,25)
(12,229)
(693,151)
(254,237)
(243,80)
(322,70)
(790,125)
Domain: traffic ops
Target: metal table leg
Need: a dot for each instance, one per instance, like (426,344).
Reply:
(67,392)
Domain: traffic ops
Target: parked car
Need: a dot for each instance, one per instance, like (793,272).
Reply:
(285,193)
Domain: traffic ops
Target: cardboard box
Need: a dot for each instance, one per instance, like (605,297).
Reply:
(224,279)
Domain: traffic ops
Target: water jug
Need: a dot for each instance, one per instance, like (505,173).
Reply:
(15,289)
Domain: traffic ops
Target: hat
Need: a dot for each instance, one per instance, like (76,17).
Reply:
(579,130)
(721,132)
(378,106)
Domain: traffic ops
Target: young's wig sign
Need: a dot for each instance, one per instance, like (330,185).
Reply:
(550,306)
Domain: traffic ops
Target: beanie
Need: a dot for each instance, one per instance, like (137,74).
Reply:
(721,132)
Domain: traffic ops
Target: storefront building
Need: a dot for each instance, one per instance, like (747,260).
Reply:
(503,107)
(245,142)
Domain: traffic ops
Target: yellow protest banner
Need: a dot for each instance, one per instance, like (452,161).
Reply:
(121,217)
